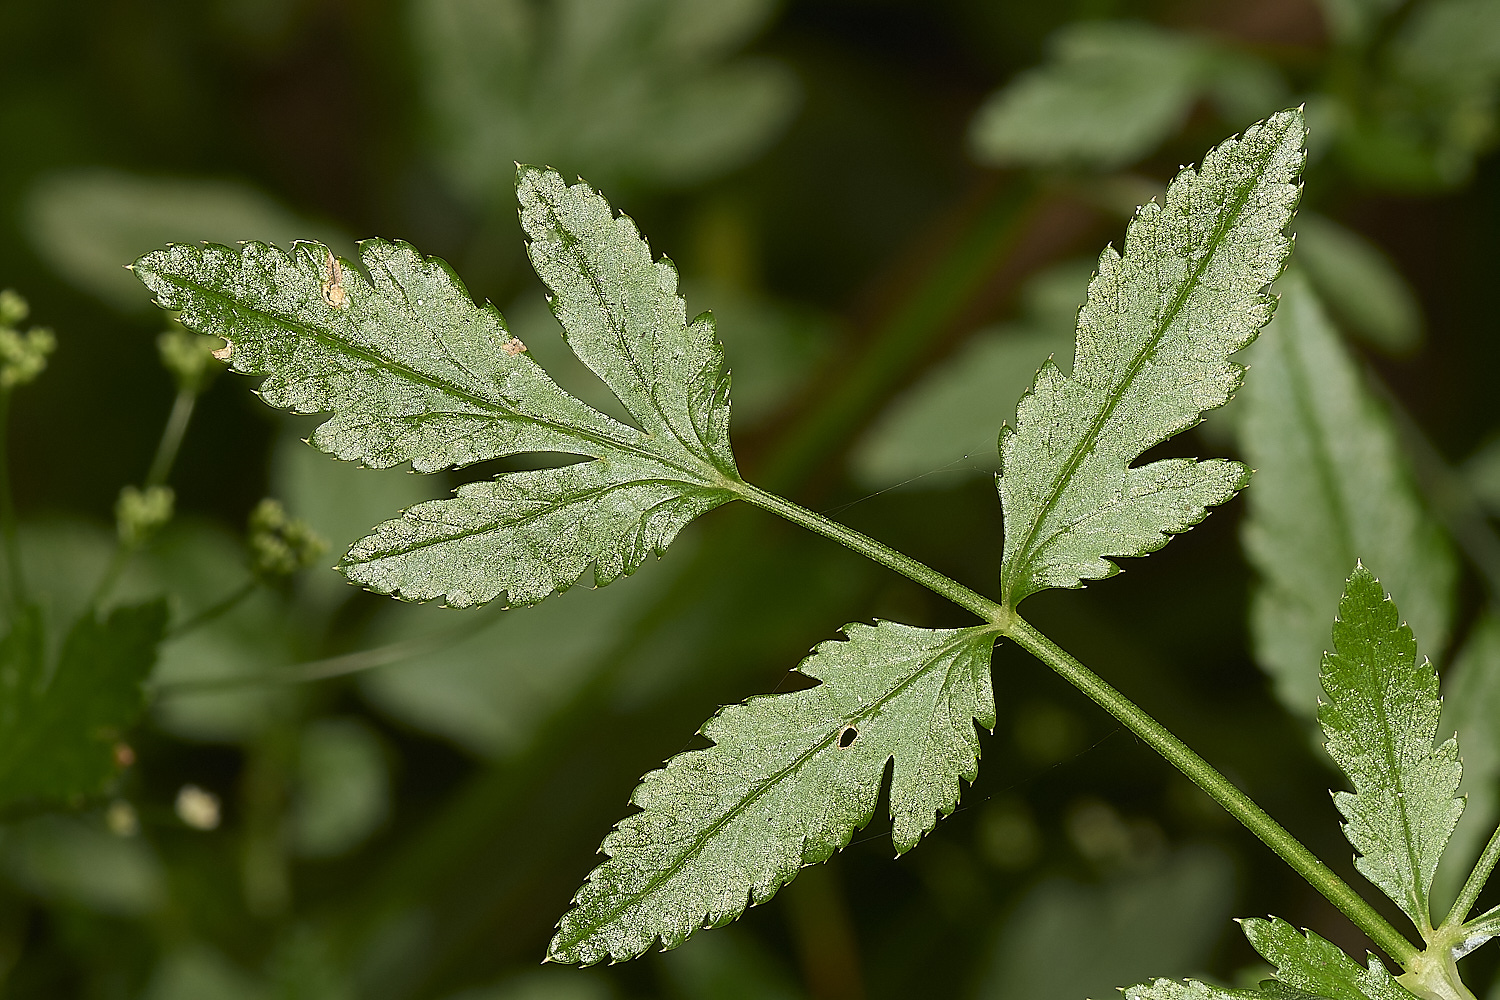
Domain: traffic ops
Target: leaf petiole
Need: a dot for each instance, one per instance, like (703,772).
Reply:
(886,556)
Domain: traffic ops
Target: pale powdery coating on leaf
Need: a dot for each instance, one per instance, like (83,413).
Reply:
(789,779)
(413,371)
(1381,719)
(1304,961)
(1153,348)
(1172,989)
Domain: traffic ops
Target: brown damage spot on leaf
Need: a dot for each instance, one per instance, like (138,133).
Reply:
(334,292)
(513,346)
(224,352)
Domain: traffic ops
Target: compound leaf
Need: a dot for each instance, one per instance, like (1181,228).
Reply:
(1304,961)
(1331,486)
(789,779)
(1381,719)
(59,723)
(414,372)
(1152,354)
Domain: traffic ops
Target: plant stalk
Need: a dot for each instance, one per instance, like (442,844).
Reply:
(171,437)
(1469,895)
(1205,776)
(886,556)
(14,573)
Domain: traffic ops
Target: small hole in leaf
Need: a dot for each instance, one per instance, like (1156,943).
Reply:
(847,737)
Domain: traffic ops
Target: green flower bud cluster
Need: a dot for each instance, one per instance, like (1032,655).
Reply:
(280,544)
(140,513)
(23,356)
(189,357)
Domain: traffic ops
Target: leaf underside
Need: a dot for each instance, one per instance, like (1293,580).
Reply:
(789,779)
(1381,719)
(1152,354)
(59,726)
(1331,486)
(413,371)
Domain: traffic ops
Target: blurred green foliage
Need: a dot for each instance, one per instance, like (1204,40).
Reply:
(405,796)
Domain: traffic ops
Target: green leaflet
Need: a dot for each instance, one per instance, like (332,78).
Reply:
(1304,961)
(1331,487)
(59,723)
(414,372)
(1152,354)
(789,779)
(1381,719)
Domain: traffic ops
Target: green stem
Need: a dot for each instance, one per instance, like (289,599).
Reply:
(214,611)
(167,447)
(171,437)
(882,554)
(14,571)
(1469,895)
(1203,774)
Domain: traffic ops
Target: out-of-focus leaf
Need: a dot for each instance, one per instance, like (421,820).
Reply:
(198,972)
(1152,354)
(946,423)
(339,501)
(1381,719)
(207,678)
(1304,961)
(342,790)
(1482,471)
(646,91)
(72,860)
(544,984)
(1071,940)
(59,722)
(725,966)
(1108,94)
(488,690)
(414,372)
(1359,284)
(1331,487)
(1353,21)
(1429,108)
(89,224)
(1471,704)
(789,779)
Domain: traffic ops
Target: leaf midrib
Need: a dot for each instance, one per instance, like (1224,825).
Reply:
(568,241)
(579,497)
(411,374)
(1388,750)
(765,786)
(1087,441)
